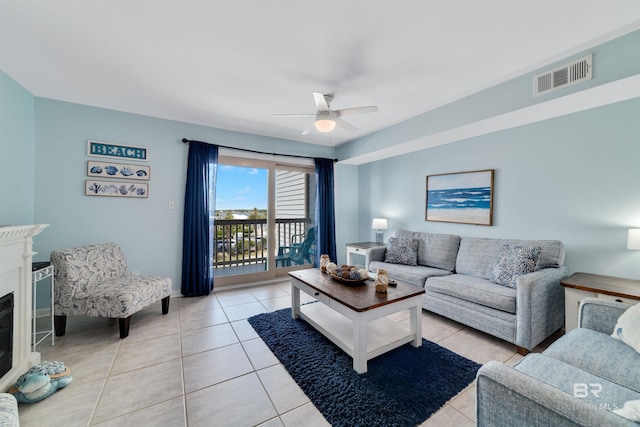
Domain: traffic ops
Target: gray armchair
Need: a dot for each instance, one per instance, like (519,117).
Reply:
(578,381)
(93,281)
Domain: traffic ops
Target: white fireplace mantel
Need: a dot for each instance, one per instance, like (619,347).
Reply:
(16,252)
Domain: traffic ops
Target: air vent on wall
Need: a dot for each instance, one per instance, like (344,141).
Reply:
(567,75)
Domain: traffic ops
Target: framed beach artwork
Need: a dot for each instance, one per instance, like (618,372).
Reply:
(462,197)
(118,170)
(135,190)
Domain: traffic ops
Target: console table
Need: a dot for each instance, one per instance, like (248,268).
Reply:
(579,286)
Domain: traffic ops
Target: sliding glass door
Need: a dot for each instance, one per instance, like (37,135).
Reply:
(264,220)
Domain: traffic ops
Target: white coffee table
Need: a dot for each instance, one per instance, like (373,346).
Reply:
(354,318)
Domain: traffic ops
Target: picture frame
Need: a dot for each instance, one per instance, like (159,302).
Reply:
(118,170)
(117,151)
(460,197)
(135,190)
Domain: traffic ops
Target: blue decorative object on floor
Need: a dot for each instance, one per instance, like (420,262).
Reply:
(401,388)
(40,382)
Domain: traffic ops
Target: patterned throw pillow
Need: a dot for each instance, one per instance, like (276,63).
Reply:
(402,251)
(514,261)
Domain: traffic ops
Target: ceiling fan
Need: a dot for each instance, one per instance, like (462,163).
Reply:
(327,119)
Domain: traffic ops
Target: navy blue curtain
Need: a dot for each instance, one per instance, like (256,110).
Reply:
(199,209)
(325,211)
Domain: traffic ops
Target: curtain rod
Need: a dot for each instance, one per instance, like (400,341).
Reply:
(186,141)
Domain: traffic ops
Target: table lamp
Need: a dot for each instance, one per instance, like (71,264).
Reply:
(379,224)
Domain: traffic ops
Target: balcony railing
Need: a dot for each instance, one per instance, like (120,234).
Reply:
(243,242)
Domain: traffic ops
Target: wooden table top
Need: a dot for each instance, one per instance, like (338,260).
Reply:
(608,285)
(357,298)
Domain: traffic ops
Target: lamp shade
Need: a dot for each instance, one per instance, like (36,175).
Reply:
(633,239)
(379,224)
(325,125)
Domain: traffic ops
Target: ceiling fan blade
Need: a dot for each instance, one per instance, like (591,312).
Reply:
(293,115)
(309,128)
(321,101)
(355,110)
(345,125)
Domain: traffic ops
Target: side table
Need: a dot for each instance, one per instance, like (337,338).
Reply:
(579,286)
(361,248)
(40,271)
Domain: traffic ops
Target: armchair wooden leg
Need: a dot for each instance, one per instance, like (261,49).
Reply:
(124,326)
(165,305)
(60,325)
(522,351)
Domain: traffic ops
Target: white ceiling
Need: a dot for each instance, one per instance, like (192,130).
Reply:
(231,65)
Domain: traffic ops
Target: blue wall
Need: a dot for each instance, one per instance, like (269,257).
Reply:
(17,152)
(574,178)
(150,234)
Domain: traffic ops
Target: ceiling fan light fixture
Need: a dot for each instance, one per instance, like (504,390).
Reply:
(325,125)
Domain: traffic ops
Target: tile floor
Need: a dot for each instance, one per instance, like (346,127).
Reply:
(204,365)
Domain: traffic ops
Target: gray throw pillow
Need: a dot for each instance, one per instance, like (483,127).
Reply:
(514,261)
(402,251)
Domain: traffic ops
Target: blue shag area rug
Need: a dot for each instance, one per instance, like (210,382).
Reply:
(403,387)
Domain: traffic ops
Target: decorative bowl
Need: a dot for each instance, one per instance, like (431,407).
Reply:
(348,282)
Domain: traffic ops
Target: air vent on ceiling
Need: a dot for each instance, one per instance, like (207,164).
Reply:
(567,75)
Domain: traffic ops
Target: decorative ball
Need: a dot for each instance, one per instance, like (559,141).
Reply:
(364,274)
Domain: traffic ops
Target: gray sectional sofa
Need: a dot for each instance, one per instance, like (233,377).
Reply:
(458,274)
(580,380)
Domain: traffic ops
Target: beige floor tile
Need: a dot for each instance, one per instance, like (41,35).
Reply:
(305,416)
(285,394)
(170,414)
(277,303)
(448,417)
(146,324)
(201,319)
(140,354)
(268,292)
(70,406)
(465,402)
(273,422)
(221,403)
(259,354)
(235,297)
(244,311)
(139,389)
(87,364)
(197,303)
(203,339)
(244,331)
(211,367)
(478,346)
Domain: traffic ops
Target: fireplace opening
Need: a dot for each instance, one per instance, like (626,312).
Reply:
(6,333)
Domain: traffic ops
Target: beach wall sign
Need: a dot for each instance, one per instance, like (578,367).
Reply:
(461,197)
(117,151)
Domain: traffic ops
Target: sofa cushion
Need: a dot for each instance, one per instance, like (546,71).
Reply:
(627,328)
(438,250)
(513,262)
(475,290)
(477,256)
(416,275)
(600,355)
(591,388)
(402,251)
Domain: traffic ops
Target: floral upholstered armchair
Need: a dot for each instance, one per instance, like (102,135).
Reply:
(93,281)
